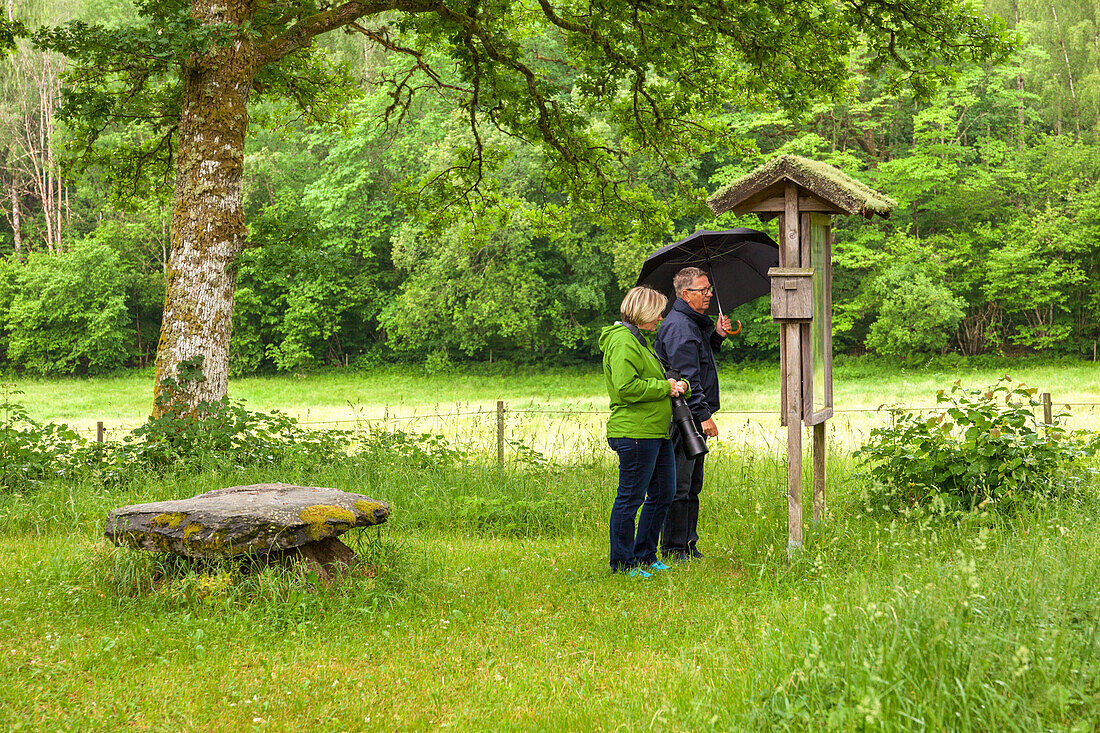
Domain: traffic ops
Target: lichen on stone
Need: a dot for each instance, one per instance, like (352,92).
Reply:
(369,508)
(169,519)
(319,517)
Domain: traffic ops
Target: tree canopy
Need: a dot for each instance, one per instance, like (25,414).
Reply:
(372,204)
(165,99)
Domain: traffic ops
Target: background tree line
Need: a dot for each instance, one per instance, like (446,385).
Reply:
(995,245)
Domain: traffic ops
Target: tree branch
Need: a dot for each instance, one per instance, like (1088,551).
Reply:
(302,33)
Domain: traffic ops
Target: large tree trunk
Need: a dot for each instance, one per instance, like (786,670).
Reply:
(208,231)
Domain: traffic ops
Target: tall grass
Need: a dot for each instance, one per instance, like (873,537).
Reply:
(485,603)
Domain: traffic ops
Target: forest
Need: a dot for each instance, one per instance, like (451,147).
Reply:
(354,257)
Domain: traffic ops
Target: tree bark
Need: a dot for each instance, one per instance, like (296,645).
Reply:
(16,220)
(208,231)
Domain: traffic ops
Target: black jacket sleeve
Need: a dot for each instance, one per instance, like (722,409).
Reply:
(716,341)
(679,347)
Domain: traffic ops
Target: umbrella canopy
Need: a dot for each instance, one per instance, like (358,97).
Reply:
(737,261)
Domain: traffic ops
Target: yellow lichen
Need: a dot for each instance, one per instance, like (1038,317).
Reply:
(169,519)
(369,507)
(320,516)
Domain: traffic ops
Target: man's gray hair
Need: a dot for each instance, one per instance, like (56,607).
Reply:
(685,278)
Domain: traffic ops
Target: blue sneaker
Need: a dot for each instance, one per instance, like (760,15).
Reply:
(639,573)
(658,566)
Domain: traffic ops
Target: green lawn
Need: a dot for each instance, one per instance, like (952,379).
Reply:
(990,625)
(485,603)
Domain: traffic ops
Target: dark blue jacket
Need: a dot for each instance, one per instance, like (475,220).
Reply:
(686,342)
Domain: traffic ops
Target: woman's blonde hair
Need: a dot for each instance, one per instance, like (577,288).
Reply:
(642,305)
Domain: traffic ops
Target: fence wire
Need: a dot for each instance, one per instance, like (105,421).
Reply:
(564,432)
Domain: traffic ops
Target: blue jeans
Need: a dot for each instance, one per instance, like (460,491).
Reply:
(647,471)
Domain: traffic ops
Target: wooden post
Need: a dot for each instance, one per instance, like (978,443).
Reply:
(819,472)
(794,437)
(500,432)
(790,247)
(99,432)
(1048,409)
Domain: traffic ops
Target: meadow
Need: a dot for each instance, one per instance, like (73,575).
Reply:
(557,411)
(485,602)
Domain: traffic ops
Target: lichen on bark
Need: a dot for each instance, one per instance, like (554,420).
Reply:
(208,230)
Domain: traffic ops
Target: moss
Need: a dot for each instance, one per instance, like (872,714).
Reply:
(169,519)
(320,517)
(821,179)
(191,529)
(368,508)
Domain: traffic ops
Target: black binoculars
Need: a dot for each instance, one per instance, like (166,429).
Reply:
(693,443)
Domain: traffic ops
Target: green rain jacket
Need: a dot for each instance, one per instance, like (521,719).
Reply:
(636,384)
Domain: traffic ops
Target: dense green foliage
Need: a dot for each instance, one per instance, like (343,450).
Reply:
(68,312)
(32,452)
(361,253)
(985,448)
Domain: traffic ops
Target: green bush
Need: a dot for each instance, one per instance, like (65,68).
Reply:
(985,448)
(221,434)
(31,453)
(916,312)
(68,312)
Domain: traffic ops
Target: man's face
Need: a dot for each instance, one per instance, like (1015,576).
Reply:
(698,295)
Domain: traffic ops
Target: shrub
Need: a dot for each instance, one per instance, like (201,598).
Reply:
(220,434)
(917,313)
(30,452)
(226,434)
(68,312)
(985,448)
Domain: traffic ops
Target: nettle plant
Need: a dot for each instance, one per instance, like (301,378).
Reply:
(984,449)
(31,452)
(223,433)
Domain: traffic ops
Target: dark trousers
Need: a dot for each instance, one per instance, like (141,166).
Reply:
(680,532)
(647,479)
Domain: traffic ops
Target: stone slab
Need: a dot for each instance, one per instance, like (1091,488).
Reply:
(258,518)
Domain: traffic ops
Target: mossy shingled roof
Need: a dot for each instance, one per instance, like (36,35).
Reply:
(821,179)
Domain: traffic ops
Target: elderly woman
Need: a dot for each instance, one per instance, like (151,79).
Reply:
(638,430)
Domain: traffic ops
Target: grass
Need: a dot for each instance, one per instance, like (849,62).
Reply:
(991,624)
(485,603)
(555,411)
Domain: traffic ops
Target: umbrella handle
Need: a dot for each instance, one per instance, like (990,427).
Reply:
(732,333)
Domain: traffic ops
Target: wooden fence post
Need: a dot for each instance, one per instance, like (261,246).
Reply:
(819,473)
(1048,411)
(500,432)
(99,432)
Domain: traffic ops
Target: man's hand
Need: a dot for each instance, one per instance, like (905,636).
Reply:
(709,428)
(724,326)
(676,387)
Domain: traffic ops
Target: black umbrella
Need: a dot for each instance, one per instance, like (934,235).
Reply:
(737,261)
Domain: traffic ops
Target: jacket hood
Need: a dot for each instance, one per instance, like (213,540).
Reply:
(608,331)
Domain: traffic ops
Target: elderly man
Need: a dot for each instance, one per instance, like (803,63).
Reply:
(686,342)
